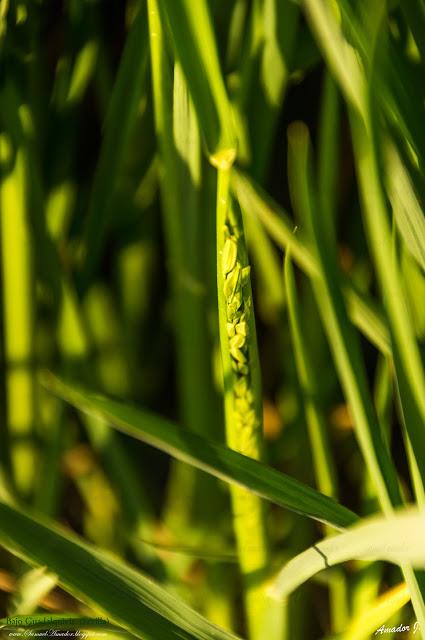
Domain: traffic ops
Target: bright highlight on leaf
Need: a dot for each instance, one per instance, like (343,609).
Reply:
(398,539)
(193,38)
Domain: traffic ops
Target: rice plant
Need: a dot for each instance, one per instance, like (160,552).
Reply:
(212,254)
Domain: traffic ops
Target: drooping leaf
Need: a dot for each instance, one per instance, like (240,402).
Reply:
(398,539)
(125,596)
(208,456)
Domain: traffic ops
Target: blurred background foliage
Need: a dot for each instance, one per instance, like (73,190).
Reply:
(109,278)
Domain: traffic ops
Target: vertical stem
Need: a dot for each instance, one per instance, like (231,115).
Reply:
(407,360)
(324,466)
(179,148)
(243,408)
(18,302)
(346,352)
(328,150)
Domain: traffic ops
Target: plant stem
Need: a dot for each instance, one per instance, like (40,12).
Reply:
(243,405)
(18,292)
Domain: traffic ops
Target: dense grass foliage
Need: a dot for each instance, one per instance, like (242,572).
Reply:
(213,318)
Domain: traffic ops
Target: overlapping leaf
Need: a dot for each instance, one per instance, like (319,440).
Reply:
(125,596)
(208,456)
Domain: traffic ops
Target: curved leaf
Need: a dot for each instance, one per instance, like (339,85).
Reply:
(399,539)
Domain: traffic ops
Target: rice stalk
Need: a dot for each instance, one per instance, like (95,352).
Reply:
(243,409)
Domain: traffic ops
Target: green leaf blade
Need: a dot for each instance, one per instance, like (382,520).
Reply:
(208,456)
(398,539)
(124,595)
(194,42)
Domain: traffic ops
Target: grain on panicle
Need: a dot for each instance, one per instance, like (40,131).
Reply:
(238,308)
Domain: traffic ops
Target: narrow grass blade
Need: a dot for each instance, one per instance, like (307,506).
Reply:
(414,13)
(18,293)
(180,181)
(328,152)
(324,467)
(377,613)
(266,263)
(255,202)
(407,211)
(409,369)
(263,78)
(407,359)
(414,287)
(341,335)
(342,58)
(195,46)
(398,539)
(209,555)
(125,596)
(347,355)
(121,116)
(203,454)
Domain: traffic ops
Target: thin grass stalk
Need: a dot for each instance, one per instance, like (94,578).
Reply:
(341,337)
(382,395)
(324,467)
(266,264)
(119,124)
(50,480)
(237,24)
(47,482)
(104,328)
(368,581)
(220,594)
(359,90)
(414,13)
(362,310)
(347,356)
(243,409)
(323,463)
(280,24)
(193,37)
(137,270)
(179,147)
(377,612)
(328,152)
(414,471)
(170,193)
(18,292)
(408,365)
